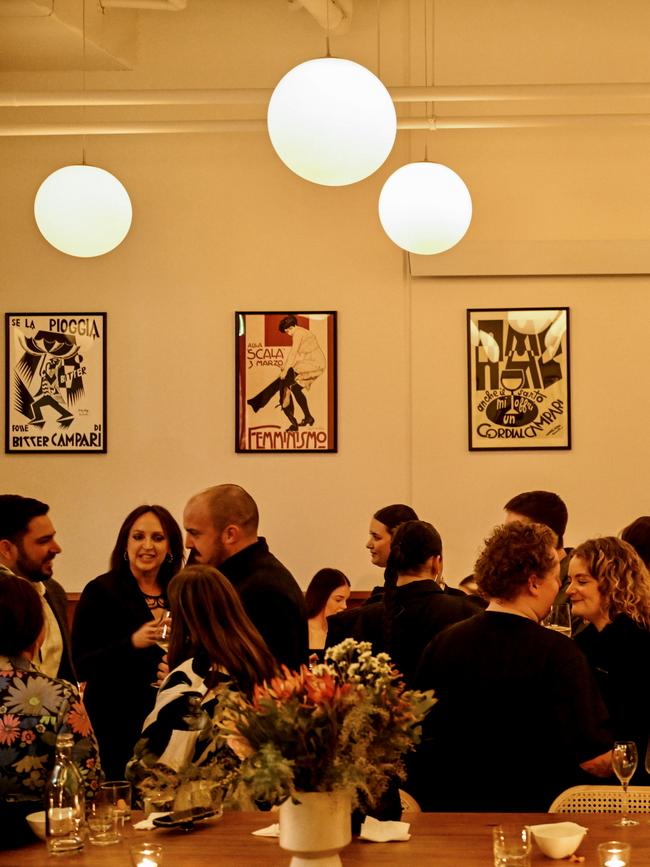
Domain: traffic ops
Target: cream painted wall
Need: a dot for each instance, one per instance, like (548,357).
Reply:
(220,225)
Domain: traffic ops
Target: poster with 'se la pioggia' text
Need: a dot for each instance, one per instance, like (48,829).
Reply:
(55,382)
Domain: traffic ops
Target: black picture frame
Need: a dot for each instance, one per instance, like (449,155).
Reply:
(518,378)
(55,383)
(286,389)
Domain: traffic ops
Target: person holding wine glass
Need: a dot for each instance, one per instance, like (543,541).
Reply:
(117,627)
(610,589)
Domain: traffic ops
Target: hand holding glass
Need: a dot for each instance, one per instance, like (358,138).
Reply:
(624,762)
(164,631)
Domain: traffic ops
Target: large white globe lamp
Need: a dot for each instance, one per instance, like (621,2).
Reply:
(83,210)
(331,121)
(425,208)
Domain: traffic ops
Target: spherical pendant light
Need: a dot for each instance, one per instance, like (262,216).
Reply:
(83,211)
(425,208)
(331,121)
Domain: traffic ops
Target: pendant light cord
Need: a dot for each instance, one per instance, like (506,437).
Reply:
(83,79)
(328,53)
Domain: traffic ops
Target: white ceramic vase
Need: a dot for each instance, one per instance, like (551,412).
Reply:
(315,830)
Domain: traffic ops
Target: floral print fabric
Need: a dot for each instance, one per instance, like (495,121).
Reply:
(34,708)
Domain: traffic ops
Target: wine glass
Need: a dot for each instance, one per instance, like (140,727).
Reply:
(165,628)
(165,631)
(559,619)
(624,762)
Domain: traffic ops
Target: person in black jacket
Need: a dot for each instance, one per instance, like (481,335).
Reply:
(523,696)
(414,606)
(116,629)
(221,530)
(383,524)
(28,549)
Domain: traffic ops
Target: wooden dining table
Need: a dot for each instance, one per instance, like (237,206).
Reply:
(439,839)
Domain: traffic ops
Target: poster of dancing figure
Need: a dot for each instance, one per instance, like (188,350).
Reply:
(518,378)
(285,382)
(55,382)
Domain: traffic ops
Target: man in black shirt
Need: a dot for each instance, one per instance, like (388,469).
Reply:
(221,530)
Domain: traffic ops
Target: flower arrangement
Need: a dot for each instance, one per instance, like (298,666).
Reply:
(346,723)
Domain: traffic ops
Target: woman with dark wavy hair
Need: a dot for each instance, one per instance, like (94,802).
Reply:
(610,589)
(116,627)
(212,642)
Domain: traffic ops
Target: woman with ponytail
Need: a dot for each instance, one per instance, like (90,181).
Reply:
(414,608)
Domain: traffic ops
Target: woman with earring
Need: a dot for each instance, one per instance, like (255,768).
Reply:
(414,607)
(116,628)
(610,589)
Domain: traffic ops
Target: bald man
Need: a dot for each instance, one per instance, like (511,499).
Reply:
(221,530)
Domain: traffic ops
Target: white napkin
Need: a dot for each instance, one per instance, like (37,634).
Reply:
(384,832)
(147,824)
(269,831)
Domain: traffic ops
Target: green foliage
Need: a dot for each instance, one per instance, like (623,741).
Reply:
(345,724)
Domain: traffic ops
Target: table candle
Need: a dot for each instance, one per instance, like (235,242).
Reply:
(147,855)
(614,854)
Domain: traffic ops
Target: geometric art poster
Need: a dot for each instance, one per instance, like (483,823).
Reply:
(518,378)
(55,382)
(285,382)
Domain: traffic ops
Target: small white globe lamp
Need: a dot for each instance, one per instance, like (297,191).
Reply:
(331,121)
(83,211)
(425,208)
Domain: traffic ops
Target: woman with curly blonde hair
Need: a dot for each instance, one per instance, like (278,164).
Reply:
(610,589)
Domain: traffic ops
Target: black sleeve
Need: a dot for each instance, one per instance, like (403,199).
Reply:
(101,632)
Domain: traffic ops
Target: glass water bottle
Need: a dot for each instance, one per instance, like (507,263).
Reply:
(64,801)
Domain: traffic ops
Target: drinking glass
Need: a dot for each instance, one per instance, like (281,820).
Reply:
(511,846)
(103,821)
(624,762)
(165,628)
(559,619)
(165,631)
(118,795)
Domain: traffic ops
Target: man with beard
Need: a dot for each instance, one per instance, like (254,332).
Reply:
(28,549)
(221,531)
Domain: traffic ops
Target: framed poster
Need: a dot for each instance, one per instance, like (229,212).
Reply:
(55,382)
(518,378)
(285,382)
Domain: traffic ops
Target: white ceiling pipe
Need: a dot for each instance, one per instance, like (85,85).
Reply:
(163,5)
(425,123)
(261,96)
(532,121)
(517,92)
(132,127)
(248,96)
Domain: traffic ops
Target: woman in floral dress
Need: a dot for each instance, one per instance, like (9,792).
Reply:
(34,708)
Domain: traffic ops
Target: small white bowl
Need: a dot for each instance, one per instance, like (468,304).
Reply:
(36,822)
(558,839)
